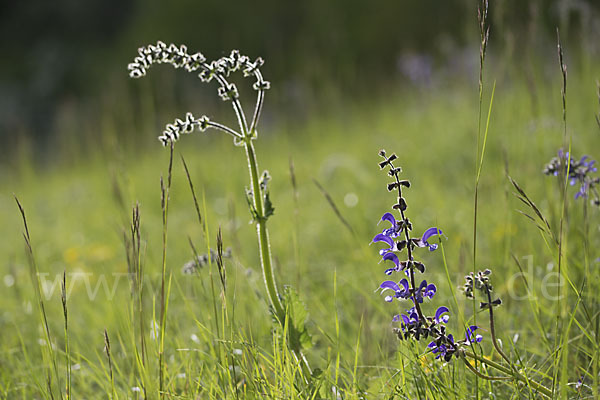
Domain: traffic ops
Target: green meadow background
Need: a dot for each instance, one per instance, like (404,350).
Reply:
(348,79)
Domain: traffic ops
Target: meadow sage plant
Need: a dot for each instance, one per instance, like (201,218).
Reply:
(261,208)
(577,172)
(414,323)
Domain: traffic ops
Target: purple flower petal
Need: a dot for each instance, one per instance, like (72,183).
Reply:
(469,335)
(438,315)
(393,258)
(390,218)
(430,290)
(404,283)
(426,235)
(380,237)
(391,285)
(396,318)
(429,233)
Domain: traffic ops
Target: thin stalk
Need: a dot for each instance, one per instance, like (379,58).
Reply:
(536,385)
(165,189)
(563,180)
(493,328)
(479,374)
(484,31)
(35,277)
(110,367)
(224,128)
(67,349)
(259,102)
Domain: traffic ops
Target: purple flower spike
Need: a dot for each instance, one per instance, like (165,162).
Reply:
(426,235)
(439,318)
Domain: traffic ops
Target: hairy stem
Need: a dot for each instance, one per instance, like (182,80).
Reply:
(263,234)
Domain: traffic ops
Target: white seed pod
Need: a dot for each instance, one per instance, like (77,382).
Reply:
(261,85)
(228,92)
(202,123)
(136,70)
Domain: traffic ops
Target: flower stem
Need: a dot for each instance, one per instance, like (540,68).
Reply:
(265,252)
(263,234)
(530,382)
(479,374)
(408,247)
(493,328)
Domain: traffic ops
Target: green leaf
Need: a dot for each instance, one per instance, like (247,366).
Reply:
(269,209)
(297,315)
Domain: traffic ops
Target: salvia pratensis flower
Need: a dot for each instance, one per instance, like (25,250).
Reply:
(579,171)
(396,237)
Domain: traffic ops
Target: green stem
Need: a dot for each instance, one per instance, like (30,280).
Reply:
(537,386)
(263,234)
(479,374)
(265,251)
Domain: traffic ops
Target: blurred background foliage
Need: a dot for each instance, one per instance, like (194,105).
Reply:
(64,62)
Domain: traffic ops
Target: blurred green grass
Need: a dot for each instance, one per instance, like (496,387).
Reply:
(76,222)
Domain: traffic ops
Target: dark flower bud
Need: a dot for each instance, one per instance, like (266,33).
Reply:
(392,186)
(401,205)
(405,183)
(387,161)
(394,171)
(419,266)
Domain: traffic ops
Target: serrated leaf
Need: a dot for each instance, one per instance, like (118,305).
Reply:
(297,315)
(269,209)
